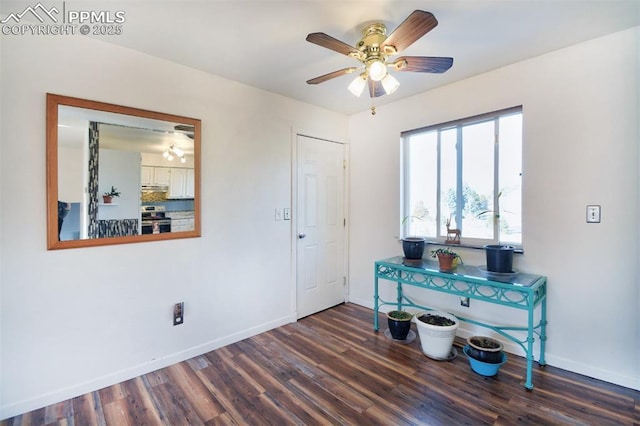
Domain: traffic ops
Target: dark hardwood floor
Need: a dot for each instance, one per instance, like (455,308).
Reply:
(331,368)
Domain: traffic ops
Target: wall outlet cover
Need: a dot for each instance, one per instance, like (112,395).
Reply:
(178,313)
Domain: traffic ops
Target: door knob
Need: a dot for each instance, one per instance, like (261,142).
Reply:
(302,235)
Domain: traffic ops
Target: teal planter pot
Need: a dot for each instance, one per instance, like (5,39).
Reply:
(413,247)
(484,368)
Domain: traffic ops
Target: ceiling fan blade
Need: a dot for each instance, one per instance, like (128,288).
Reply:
(417,24)
(331,75)
(433,64)
(375,88)
(185,129)
(324,40)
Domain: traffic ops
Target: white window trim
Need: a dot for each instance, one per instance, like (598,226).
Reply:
(439,128)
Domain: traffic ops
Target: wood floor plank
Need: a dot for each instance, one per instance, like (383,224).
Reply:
(117,413)
(234,397)
(335,410)
(300,409)
(332,368)
(57,412)
(525,411)
(223,419)
(192,388)
(140,404)
(175,408)
(111,393)
(84,412)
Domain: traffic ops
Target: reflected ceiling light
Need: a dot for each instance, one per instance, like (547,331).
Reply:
(172,152)
(357,85)
(390,84)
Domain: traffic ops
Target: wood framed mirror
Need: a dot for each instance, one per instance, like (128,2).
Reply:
(149,161)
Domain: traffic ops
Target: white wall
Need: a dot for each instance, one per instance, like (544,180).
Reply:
(76,320)
(70,170)
(580,147)
(121,170)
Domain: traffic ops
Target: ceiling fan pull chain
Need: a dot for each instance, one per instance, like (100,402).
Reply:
(373,107)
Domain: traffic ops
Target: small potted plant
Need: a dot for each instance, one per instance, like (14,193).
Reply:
(485,355)
(413,247)
(499,258)
(485,349)
(445,257)
(107,197)
(399,324)
(437,331)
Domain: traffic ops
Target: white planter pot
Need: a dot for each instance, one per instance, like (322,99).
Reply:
(436,341)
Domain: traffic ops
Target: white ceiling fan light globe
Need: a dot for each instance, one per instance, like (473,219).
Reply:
(357,86)
(377,70)
(390,84)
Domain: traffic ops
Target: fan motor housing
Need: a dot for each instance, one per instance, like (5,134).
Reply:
(373,36)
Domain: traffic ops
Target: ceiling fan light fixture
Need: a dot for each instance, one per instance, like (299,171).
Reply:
(377,70)
(390,84)
(357,86)
(172,152)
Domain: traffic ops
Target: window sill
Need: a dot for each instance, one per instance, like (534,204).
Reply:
(518,250)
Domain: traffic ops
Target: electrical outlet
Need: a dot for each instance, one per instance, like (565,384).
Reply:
(178,313)
(464,301)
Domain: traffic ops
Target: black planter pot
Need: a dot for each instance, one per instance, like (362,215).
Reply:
(485,349)
(499,258)
(399,328)
(413,247)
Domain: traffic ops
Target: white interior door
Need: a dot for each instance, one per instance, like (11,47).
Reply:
(320,225)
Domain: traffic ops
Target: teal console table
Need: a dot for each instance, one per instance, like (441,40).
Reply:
(520,291)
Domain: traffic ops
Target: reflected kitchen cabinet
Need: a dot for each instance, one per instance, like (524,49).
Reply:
(181,183)
(155,176)
(181,221)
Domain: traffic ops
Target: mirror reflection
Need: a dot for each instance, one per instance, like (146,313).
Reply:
(121,174)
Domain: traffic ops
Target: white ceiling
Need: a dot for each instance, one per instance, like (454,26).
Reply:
(262,42)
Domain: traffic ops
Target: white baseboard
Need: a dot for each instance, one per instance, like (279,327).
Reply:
(53,397)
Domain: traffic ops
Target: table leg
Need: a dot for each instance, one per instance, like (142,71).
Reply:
(376,327)
(543,331)
(529,383)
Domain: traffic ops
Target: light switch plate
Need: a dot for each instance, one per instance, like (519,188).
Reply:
(593,214)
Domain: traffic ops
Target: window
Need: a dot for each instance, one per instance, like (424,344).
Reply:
(466,174)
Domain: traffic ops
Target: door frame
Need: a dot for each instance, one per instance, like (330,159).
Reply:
(294,216)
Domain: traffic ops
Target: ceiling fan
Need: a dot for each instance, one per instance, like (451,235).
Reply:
(374,50)
(185,129)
